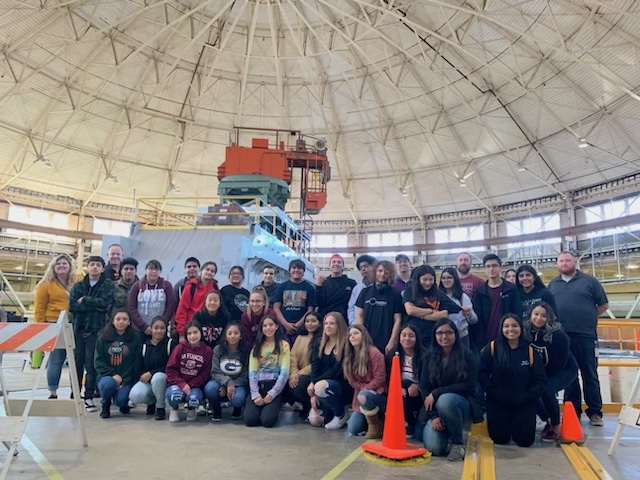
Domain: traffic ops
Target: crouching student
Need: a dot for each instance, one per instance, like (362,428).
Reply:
(300,369)
(188,370)
(513,378)
(447,383)
(152,385)
(229,373)
(118,362)
(268,373)
(328,390)
(364,368)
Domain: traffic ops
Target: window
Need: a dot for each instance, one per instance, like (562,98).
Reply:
(391,239)
(459,234)
(529,225)
(336,242)
(111,227)
(611,210)
(37,216)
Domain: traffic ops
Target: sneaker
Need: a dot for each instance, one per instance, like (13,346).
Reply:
(53,396)
(160,414)
(106,411)
(131,404)
(216,415)
(89,406)
(456,453)
(125,410)
(237,413)
(596,420)
(192,415)
(550,436)
(337,423)
(174,416)
(151,409)
(297,407)
(202,411)
(545,430)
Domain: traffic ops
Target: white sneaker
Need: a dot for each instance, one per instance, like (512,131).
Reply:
(89,405)
(297,407)
(174,416)
(202,410)
(337,422)
(131,404)
(192,415)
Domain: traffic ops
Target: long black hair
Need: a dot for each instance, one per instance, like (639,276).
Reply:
(193,323)
(224,345)
(455,370)
(417,361)
(502,348)
(549,328)
(537,281)
(416,289)
(108,332)
(457,286)
(279,338)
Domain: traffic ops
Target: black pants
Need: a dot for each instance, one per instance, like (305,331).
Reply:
(84,352)
(266,415)
(513,422)
(412,405)
(583,349)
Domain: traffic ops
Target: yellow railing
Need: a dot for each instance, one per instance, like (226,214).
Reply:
(622,334)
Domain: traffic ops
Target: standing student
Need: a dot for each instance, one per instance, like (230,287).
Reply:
(469,282)
(447,383)
(403,267)
(364,369)
(229,373)
(531,290)
(425,303)
(191,270)
(257,310)
(212,318)
(188,371)
(581,300)
(379,308)
(194,295)
(333,292)
(123,285)
(294,299)
(510,276)
(118,361)
(234,296)
(329,391)
(113,270)
(268,373)
(364,264)
(492,300)
(300,369)
(51,298)
(550,341)
(150,297)
(450,284)
(90,302)
(269,283)
(411,352)
(512,375)
(152,384)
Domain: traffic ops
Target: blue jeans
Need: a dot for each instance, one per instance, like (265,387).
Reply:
(54,368)
(454,411)
(110,392)
(357,423)
(212,393)
(175,396)
(547,407)
(330,398)
(151,393)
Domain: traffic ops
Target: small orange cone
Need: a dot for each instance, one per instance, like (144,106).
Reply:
(570,430)
(394,439)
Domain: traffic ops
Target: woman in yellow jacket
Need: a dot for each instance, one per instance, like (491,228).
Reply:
(52,296)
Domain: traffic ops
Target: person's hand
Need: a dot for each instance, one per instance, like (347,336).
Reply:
(390,346)
(315,403)
(223,391)
(186,389)
(290,328)
(467,309)
(437,424)
(311,390)
(148,331)
(267,399)
(299,324)
(429,402)
(80,300)
(259,401)
(118,379)
(320,279)
(404,393)
(145,377)
(294,380)
(231,391)
(413,390)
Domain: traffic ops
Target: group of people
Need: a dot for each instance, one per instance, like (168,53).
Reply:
(467,345)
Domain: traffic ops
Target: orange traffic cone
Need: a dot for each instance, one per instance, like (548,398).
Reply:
(394,439)
(570,430)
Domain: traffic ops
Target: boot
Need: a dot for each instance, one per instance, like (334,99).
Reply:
(374,423)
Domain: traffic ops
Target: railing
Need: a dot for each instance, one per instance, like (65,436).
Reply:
(619,334)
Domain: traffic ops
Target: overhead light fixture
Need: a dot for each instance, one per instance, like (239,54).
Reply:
(583,143)
(404,192)
(463,184)
(522,169)
(39,264)
(44,160)
(174,188)
(632,267)
(619,275)
(113,178)
(19,267)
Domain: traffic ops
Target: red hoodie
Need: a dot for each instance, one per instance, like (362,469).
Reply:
(189,365)
(191,304)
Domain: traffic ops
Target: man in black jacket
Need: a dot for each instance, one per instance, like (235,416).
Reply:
(333,292)
(491,301)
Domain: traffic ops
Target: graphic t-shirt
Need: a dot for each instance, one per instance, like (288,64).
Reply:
(295,298)
(236,300)
(379,303)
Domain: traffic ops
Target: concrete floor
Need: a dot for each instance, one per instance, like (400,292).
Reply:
(137,446)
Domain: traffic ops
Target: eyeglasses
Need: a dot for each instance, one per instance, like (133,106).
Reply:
(446,333)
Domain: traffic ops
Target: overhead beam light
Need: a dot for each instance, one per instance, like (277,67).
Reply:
(522,169)
(112,177)
(582,143)
(44,160)
(404,192)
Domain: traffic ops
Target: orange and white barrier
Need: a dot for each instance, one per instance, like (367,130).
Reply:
(28,336)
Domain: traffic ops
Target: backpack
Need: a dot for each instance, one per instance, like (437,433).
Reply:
(169,343)
(492,347)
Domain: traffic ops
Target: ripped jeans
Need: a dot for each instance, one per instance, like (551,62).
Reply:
(329,392)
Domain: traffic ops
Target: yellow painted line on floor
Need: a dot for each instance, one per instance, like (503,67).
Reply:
(49,470)
(479,460)
(342,466)
(585,464)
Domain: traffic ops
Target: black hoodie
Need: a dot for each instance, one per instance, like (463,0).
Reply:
(334,295)
(537,295)
(510,303)
(555,354)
